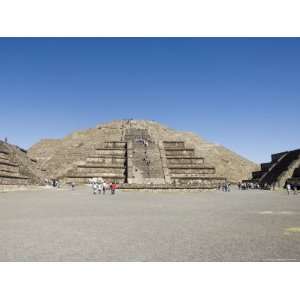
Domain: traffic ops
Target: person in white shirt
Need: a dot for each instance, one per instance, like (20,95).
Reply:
(95,187)
(288,188)
(100,187)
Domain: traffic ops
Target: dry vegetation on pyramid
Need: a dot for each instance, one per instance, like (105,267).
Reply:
(139,153)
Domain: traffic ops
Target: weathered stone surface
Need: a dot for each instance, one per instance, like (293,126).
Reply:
(113,144)
(16,168)
(283,168)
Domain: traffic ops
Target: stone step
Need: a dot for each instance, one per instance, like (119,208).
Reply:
(98,166)
(8,163)
(13,181)
(191,172)
(8,171)
(4,156)
(12,175)
(173,144)
(184,157)
(110,149)
(194,176)
(107,156)
(96,175)
(85,179)
(188,167)
(115,144)
(179,149)
(4,151)
(181,155)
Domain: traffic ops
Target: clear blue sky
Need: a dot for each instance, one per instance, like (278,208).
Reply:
(242,93)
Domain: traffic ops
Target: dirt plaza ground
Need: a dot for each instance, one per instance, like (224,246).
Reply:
(65,225)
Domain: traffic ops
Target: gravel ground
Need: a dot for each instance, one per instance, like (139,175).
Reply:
(65,225)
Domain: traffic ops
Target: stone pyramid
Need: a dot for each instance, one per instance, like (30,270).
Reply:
(139,154)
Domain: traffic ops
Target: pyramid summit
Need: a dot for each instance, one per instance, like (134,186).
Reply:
(139,153)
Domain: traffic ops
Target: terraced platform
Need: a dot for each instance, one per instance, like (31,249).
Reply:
(139,162)
(10,170)
(284,168)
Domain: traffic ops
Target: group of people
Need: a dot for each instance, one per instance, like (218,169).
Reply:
(256,186)
(147,161)
(56,183)
(102,187)
(225,187)
(53,182)
(142,141)
(291,188)
(99,186)
(146,144)
(248,186)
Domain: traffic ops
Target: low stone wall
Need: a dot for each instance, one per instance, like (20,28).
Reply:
(23,188)
(165,187)
(85,179)
(13,180)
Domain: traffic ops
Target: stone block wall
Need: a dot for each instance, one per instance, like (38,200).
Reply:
(281,170)
(107,162)
(186,169)
(9,169)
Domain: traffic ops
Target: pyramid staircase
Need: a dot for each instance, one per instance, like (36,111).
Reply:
(284,167)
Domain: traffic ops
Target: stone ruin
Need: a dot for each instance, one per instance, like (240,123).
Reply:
(139,155)
(284,168)
(16,168)
(138,162)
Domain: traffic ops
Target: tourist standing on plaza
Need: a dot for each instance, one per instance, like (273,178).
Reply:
(228,187)
(113,188)
(95,187)
(100,188)
(288,188)
(295,189)
(104,187)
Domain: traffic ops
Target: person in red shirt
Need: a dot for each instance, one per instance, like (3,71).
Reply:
(113,188)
